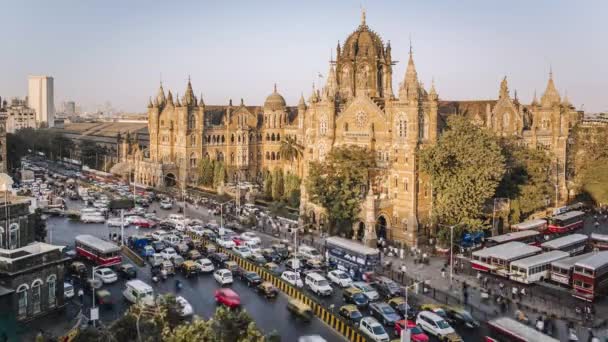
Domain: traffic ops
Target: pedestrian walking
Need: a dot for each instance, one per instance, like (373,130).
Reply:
(443,273)
(81,295)
(522,293)
(514,292)
(485,282)
(403,268)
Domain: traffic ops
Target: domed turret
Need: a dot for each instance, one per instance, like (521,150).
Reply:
(275,101)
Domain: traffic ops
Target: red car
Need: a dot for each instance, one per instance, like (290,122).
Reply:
(417,334)
(227,297)
(238,241)
(143,223)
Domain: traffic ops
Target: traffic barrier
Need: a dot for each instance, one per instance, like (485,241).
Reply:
(128,252)
(335,322)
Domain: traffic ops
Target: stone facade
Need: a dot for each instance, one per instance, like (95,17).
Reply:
(19,115)
(356,106)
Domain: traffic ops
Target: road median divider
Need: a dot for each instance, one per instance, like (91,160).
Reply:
(129,253)
(350,332)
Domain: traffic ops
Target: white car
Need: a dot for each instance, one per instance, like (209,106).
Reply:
(205,265)
(68,290)
(185,307)
(243,251)
(114,222)
(249,236)
(367,290)
(133,219)
(372,329)
(225,242)
(223,276)
(339,278)
(292,278)
(434,324)
(168,253)
(165,204)
(106,275)
(160,234)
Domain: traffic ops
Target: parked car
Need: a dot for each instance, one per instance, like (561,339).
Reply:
(106,275)
(434,324)
(223,276)
(351,314)
(292,278)
(384,313)
(373,330)
(127,271)
(416,333)
(339,278)
(355,296)
(367,290)
(228,298)
(251,278)
(205,265)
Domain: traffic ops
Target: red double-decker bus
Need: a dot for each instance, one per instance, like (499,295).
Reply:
(98,251)
(566,222)
(590,277)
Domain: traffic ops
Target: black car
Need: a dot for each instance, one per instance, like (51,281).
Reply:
(281,250)
(158,246)
(387,288)
(251,278)
(218,258)
(127,271)
(384,313)
(271,255)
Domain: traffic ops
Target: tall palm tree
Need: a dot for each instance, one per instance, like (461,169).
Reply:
(291,149)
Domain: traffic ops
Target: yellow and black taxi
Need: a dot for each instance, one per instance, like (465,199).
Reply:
(167,267)
(299,309)
(351,314)
(314,264)
(209,249)
(232,266)
(355,296)
(398,304)
(190,268)
(267,290)
(273,268)
(194,254)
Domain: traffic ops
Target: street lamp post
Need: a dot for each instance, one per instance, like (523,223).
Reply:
(93,291)
(405,334)
(295,243)
(222,215)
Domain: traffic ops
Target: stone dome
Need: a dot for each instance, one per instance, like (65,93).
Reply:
(275,101)
(363,42)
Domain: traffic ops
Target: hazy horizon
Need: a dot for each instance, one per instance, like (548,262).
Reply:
(116,51)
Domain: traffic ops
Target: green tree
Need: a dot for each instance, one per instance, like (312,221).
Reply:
(292,190)
(206,172)
(527,181)
(594,180)
(291,150)
(337,184)
(278,185)
(267,184)
(16,149)
(219,174)
(585,161)
(465,166)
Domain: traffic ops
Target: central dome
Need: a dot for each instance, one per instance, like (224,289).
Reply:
(275,101)
(363,42)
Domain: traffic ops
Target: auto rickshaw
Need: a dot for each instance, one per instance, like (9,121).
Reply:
(273,268)
(209,249)
(232,266)
(194,255)
(167,268)
(267,290)
(104,298)
(78,270)
(190,268)
(299,309)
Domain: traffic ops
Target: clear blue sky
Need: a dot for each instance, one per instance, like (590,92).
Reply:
(109,50)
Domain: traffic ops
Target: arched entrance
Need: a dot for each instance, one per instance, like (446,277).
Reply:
(361,231)
(381,225)
(169,179)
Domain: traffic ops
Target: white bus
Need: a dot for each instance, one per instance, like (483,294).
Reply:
(498,259)
(539,225)
(561,270)
(573,244)
(508,329)
(535,268)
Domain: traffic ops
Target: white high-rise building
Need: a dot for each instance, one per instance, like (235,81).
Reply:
(41,98)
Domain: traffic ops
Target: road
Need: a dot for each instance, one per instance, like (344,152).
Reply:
(268,315)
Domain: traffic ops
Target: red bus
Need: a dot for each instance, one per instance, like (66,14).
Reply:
(566,222)
(530,237)
(590,277)
(538,224)
(509,330)
(100,252)
(599,242)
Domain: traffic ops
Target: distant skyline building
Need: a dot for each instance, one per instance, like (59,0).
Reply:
(18,115)
(41,97)
(70,108)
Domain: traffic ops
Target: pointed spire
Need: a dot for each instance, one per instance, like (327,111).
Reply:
(177,103)
(534,99)
(551,96)
(230,103)
(331,88)
(275,88)
(150,105)
(160,98)
(409,87)
(363,17)
(338,51)
(411,50)
(201,103)
(432,91)
(302,103)
(189,99)
(504,89)
(515,95)
(242,102)
(170,98)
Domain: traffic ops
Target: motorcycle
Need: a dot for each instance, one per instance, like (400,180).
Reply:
(178,285)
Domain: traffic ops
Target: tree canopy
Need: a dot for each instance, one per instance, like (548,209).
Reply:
(588,160)
(338,182)
(466,166)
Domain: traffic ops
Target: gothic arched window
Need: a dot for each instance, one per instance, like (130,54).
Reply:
(402,127)
(323,127)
